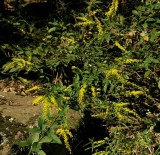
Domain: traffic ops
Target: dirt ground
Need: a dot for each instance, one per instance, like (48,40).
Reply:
(18,107)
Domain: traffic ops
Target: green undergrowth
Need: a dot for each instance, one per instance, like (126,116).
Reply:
(105,64)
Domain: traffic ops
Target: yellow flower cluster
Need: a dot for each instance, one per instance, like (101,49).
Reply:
(129,61)
(99,27)
(133,84)
(68,40)
(71,85)
(134,93)
(114,72)
(127,110)
(33,89)
(85,22)
(120,47)
(38,100)
(100,142)
(47,105)
(46,110)
(113,9)
(100,115)
(81,93)
(54,102)
(21,63)
(100,153)
(65,97)
(66,134)
(94,94)
(120,109)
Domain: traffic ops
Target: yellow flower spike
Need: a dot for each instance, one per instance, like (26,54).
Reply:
(99,143)
(81,93)
(118,59)
(38,100)
(70,86)
(94,94)
(120,47)
(127,110)
(100,153)
(33,89)
(66,134)
(129,61)
(113,9)
(134,93)
(114,72)
(65,97)
(46,109)
(99,27)
(53,100)
(69,40)
(85,22)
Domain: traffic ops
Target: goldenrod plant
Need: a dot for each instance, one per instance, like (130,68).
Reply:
(103,64)
(113,9)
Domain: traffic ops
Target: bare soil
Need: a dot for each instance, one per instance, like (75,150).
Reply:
(18,107)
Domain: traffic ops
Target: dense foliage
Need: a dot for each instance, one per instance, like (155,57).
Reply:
(101,62)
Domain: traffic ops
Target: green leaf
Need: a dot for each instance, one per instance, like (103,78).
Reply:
(52,29)
(135,12)
(159,84)
(147,73)
(54,137)
(45,139)
(36,147)
(150,20)
(14,70)
(41,152)
(40,122)
(35,130)
(23,143)
(35,138)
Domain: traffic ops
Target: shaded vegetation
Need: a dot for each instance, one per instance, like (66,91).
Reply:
(99,58)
